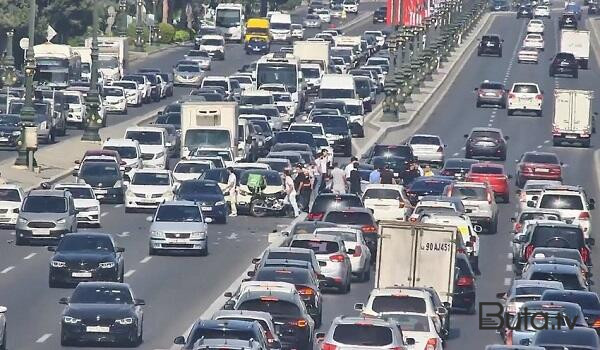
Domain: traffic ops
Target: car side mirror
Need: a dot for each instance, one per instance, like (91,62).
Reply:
(441,311)
(590,241)
(250,273)
(501,295)
(75,173)
(139,302)
(535,198)
(466,136)
(229,305)
(320,336)
(255,260)
(51,248)
(63,301)
(506,138)
(359,306)
(228,295)
(410,341)
(180,340)
(120,250)
(530,204)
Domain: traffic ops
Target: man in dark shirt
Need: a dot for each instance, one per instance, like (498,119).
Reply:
(410,175)
(387,176)
(355,180)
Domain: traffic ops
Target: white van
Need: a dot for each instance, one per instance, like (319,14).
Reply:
(337,86)
(129,151)
(153,143)
(281,27)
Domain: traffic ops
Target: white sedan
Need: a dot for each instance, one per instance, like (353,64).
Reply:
(421,328)
(541,11)
(388,202)
(149,188)
(535,41)
(528,55)
(535,26)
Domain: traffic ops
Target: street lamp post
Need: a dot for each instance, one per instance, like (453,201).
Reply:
(123,11)
(154,28)
(93,120)
(27,144)
(9,76)
(139,28)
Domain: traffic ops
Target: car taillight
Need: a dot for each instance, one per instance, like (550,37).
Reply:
(518,227)
(511,95)
(328,346)
(315,216)
(357,251)
(306,291)
(431,344)
(585,254)
(539,97)
(337,258)
(528,251)
(509,337)
(368,229)
(299,323)
(412,219)
(584,215)
(465,281)
(596,323)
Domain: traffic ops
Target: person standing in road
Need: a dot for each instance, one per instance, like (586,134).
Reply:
(387,176)
(322,163)
(338,180)
(231,190)
(427,171)
(410,175)
(375,176)
(355,181)
(290,191)
(348,169)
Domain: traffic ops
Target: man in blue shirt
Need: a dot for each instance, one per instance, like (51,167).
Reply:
(375,176)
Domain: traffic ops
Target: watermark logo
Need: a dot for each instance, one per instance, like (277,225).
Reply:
(492,316)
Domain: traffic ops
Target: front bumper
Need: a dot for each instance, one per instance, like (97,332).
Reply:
(116,334)
(109,194)
(156,163)
(181,80)
(41,235)
(116,107)
(8,218)
(178,243)
(68,275)
(135,202)
(91,217)
(75,117)
(133,100)
(8,140)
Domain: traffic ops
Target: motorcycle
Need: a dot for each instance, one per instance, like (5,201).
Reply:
(262,204)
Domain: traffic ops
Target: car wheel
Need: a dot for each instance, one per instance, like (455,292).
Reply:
(538,113)
(51,284)
(152,251)
(140,339)
(585,143)
(19,241)
(509,112)
(367,273)
(477,104)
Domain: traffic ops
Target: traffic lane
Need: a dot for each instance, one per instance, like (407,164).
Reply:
(192,281)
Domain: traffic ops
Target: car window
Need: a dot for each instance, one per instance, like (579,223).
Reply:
(411,323)
(569,281)
(486,170)
(271,305)
(45,204)
(492,86)
(558,237)
(390,303)
(9,195)
(540,158)
(349,218)
(381,193)
(95,294)
(556,201)
(525,88)
(317,246)
(469,193)
(178,213)
(363,334)
(296,276)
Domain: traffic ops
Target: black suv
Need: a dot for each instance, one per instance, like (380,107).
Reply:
(379,16)
(564,63)
(567,20)
(524,12)
(490,45)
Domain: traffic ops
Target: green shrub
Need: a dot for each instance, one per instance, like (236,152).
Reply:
(290,5)
(166,32)
(181,36)
(131,34)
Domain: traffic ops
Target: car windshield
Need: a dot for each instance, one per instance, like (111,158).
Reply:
(557,201)
(125,85)
(145,137)
(9,195)
(10,120)
(112,91)
(317,246)
(188,68)
(191,168)
(45,204)
(95,294)
(486,170)
(323,203)
(400,302)
(311,72)
(212,42)
(80,192)
(362,334)
(569,280)
(540,158)
(424,140)
(410,323)
(178,213)
(346,236)
(524,88)
(151,179)
(125,152)
(538,216)
(96,169)
(332,122)
(426,185)
(293,276)
(85,242)
(469,193)
(272,178)
(221,333)
(558,237)
(398,151)
(75,99)
(313,129)
(197,187)
(382,193)
(271,305)
(485,134)
(529,290)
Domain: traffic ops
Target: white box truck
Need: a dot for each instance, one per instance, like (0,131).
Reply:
(113,55)
(209,125)
(573,121)
(418,255)
(313,52)
(576,42)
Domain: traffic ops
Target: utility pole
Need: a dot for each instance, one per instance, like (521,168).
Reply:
(93,120)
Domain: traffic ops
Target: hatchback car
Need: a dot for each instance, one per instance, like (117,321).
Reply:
(588,301)
(247,330)
(491,93)
(486,142)
(495,175)
(387,201)
(356,247)
(263,318)
(564,63)
(538,166)
(490,44)
(354,332)
(358,218)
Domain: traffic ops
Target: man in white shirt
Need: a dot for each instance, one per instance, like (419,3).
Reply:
(231,191)
(348,169)
(290,191)
(322,165)
(338,180)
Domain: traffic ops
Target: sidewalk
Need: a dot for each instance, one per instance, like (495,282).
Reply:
(422,102)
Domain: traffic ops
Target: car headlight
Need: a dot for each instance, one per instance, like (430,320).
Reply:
(125,321)
(118,184)
(61,221)
(23,221)
(16,133)
(197,235)
(71,320)
(55,263)
(107,265)
(129,193)
(159,155)
(157,234)
(220,203)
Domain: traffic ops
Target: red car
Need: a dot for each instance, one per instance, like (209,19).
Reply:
(493,174)
(538,166)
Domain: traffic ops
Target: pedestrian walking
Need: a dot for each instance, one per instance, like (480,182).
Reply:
(387,176)
(355,181)
(322,164)
(303,186)
(348,169)
(375,176)
(231,191)
(338,180)
(290,192)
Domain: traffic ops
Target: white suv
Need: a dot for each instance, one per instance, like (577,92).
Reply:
(129,151)
(153,143)
(133,93)
(571,202)
(525,97)
(77,110)
(11,198)
(214,45)
(478,199)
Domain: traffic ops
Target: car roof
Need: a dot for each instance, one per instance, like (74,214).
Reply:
(364,320)
(405,291)
(486,129)
(179,202)
(10,186)
(316,237)
(152,170)
(384,186)
(536,283)
(53,193)
(144,128)
(224,324)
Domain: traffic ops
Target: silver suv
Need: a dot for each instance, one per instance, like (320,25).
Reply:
(46,216)
(478,199)
(356,332)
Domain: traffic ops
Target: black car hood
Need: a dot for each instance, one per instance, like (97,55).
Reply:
(201,197)
(105,311)
(84,256)
(100,181)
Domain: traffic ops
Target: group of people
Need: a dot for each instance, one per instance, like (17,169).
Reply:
(325,175)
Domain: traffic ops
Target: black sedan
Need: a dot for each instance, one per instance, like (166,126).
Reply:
(102,312)
(257,45)
(457,167)
(588,301)
(525,12)
(85,257)
(208,194)
(10,131)
(427,186)
(486,142)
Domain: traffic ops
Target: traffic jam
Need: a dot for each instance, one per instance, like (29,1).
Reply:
(273,143)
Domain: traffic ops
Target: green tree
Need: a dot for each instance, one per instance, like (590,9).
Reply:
(14,14)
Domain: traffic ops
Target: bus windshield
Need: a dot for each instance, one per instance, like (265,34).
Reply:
(228,18)
(273,73)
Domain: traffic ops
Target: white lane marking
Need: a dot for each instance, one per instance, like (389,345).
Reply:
(509,268)
(145,260)
(232,236)
(540,146)
(103,214)
(507,281)
(43,338)
(463,148)
(489,125)
(7,269)
(455,154)
(118,205)
(29,256)
(149,217)
(124,234)
(129,273)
